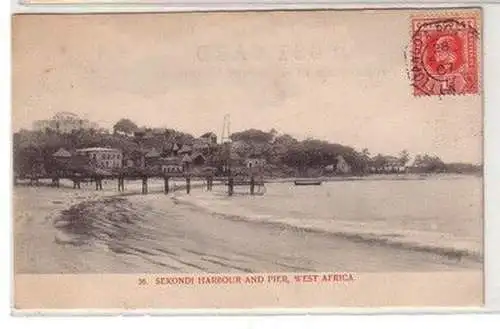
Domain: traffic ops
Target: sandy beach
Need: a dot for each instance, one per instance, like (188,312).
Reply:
(86,231)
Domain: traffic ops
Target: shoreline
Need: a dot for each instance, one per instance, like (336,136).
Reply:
(46,205)
(392,239)
(266,179)
(378,177)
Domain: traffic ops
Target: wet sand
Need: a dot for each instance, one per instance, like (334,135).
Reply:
(84,231)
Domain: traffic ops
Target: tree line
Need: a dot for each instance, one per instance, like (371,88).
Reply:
(281,151)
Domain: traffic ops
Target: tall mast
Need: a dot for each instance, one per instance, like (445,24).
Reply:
(226,130)
(226,141)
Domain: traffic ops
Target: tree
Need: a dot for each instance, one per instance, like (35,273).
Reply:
(125,126)
(404,157)
(252,136)
(429,163)
(379,160)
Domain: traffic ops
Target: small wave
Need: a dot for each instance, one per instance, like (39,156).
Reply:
(423,241)
(103,219)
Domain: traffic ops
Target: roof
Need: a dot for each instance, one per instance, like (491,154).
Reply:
(209,134)
(97,149)
(197,154)
(202,142)
(153,153)
(186,158)
(185,148)
(170,161)
(62,153)
(64,114)
(253,158)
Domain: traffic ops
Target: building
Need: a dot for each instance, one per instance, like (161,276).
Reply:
(342,167)
(62,154)
(201,145)
(171,165)
(198,159)
(175,148)
(255,162)
(240,147)
(388,165)
(339,167)
(103,157)
(186,162)
(185,149)
(64,122)
(62,157)
(209,138)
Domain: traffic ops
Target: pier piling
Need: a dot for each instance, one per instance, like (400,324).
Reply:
(210,182)
(77,184)
(188,184)
(252,185)
(230,186)
(165,180)
(98,184)
(145,185)
(121,184)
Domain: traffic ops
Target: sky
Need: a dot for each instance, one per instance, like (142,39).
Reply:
(340,76)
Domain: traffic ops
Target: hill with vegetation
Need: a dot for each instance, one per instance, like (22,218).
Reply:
(284,154)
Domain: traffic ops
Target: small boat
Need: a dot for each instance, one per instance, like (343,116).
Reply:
(305,182)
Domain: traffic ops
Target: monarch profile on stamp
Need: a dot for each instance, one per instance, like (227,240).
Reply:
(444,55)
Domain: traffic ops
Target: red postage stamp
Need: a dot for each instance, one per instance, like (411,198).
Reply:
(445,55)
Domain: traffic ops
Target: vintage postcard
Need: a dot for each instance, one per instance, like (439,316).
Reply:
(253,160)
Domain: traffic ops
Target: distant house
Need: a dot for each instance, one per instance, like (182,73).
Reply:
(122,133)
(255,162)
(135,158)
(62,154)
(62,158)
(128,163)
(158,131)
(339,167)
(201,145)
(394,165)
(175,148)
(240,147)
(198,159)
(209,138)
(153,153)
(140,133)
(64,122)
(171,165)
(388,165)
(103,157)
(151,157)
(342,167)
(186,162)
(185,149)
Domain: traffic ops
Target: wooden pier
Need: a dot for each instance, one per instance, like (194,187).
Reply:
(121,178)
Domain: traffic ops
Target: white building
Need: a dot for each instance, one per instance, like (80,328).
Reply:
(255,162)
(64,122)
(209,138)
(342,166)
(171,165)
(103,157)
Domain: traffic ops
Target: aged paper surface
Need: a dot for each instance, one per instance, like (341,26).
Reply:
(248,160)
